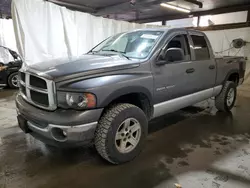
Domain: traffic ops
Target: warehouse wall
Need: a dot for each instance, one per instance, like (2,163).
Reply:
(222,39)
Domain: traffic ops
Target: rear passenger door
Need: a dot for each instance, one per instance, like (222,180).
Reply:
(203,62)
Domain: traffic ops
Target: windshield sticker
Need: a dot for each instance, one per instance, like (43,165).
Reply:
(148,36)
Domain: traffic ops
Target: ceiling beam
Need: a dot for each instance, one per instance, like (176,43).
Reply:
(115,9)
(223,10)
(199,13)
(161,18)
(198,3)
(128,6)
(73,6)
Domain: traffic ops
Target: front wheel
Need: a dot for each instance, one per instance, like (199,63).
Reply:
(13,80)
(226,99)
(121,133)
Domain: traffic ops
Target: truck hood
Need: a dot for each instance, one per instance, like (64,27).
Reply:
(62,69)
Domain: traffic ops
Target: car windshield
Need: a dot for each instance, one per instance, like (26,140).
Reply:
(136,44)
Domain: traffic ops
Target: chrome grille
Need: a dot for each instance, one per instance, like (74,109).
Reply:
(38,91)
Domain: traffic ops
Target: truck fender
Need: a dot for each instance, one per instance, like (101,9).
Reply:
(127,90)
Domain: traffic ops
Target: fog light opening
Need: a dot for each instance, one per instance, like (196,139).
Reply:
(59,134)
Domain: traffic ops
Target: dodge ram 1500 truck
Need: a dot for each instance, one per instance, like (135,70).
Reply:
(108,95)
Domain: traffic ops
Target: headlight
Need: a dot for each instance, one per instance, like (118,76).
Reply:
(76,100)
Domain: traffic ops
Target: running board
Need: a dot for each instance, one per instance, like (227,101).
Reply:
(182,102)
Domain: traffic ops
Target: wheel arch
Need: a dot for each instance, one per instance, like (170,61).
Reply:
(233,76)
(138,96)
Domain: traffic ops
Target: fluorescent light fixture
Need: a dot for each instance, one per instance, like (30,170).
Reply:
(175,7)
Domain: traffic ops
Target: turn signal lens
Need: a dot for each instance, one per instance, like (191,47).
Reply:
(91,100)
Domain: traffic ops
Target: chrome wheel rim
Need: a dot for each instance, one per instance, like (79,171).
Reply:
(230,97)
(128,135)
(14,81)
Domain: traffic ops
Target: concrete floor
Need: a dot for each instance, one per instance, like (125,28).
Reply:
(196,147)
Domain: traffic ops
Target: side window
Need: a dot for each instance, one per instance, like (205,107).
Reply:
(180,41)
(200,48)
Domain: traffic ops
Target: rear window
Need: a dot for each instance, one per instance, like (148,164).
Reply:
(200,47)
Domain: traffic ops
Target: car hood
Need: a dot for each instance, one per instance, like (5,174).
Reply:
(60,69)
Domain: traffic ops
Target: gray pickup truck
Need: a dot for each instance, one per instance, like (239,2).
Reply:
(108,95)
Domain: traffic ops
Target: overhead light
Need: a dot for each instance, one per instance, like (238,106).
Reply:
(175,7)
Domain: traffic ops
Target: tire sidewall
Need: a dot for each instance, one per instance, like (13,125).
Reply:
(230,85)
(132,112)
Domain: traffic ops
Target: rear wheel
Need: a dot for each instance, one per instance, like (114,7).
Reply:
(13,80)
(121,133)
(226,99)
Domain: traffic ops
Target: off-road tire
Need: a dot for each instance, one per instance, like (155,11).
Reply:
(221,99)
(107,127)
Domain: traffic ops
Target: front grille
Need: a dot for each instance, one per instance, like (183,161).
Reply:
(38,91)
(39,98)
(38,82)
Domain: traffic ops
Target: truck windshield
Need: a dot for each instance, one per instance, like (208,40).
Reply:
(136,44)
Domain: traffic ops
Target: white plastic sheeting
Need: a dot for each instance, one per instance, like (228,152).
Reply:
(7,39)
(46,31)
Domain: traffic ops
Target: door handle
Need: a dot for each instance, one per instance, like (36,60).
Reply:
(211,67)
(188,71)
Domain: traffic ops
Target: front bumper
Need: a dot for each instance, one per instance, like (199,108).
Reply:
(60,127)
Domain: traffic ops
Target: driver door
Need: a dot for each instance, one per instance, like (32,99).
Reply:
(174,79)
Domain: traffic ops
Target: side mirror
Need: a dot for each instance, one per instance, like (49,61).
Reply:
(171,55)
(174,54)
(161,62)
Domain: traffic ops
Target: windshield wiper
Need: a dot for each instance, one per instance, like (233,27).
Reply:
(92,52)
(113,50)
